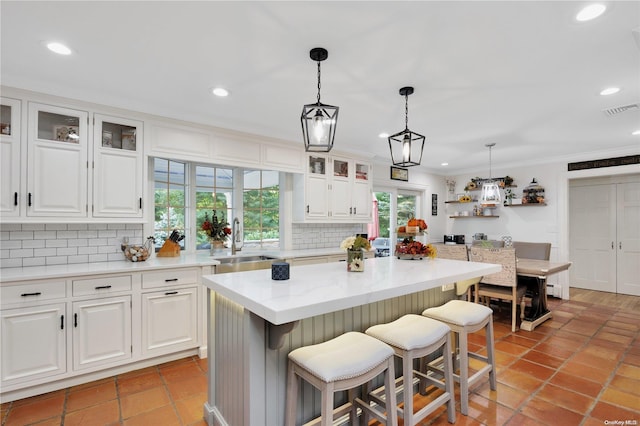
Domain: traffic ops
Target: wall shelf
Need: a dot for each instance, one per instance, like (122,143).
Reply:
(474,217)
(525,205)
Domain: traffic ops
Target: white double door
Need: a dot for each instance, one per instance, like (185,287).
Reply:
(604,233)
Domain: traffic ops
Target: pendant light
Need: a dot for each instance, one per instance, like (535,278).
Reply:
(406,146)
(490,194)
(318,120)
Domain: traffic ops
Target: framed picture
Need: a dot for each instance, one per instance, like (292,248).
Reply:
(129,140)
(107,139)
(398,173)
(434,204)
(66,133)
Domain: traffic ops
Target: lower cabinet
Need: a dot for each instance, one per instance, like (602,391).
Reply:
(101,332)
(33,343)
(169,320)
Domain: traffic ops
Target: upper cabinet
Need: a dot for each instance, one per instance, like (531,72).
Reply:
(117,167)
(10,157)
(57,153)
(333,189)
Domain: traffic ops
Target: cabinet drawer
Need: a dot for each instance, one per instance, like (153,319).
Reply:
(170,277)
(102,285)
(33,292)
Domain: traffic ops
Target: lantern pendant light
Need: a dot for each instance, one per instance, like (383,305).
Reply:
(406,146)
(319,120)
(490,194)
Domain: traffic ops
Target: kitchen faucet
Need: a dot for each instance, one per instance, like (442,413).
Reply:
(234,235)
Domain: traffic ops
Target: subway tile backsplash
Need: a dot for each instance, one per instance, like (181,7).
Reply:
(56,244)
(323,235)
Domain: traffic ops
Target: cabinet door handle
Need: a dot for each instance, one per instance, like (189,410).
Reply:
(612,245)
(169,293)
(29,201)
(75,320)
(354,210)
(350,210)
(307,208)
(31,294)
(15,198)
(140,202)
(61,322)
(170,280)
(102,287)
(620,245)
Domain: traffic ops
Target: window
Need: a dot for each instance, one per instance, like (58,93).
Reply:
(407,208)
(170,189)
(261,203)
(214,191)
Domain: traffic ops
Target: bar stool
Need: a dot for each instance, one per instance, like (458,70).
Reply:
(344,362)
(411,337)
(464,318)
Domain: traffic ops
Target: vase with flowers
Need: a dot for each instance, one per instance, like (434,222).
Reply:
(216,229)
(355,247)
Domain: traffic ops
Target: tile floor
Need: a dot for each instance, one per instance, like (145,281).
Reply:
(580,368)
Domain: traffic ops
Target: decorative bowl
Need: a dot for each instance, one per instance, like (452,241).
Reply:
(407,256)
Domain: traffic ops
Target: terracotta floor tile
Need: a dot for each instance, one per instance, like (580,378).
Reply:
(105,391)
(96,415)
(180,372)
(621,399)
(520,340)
(520,381)
(190,408)
(626,384)
(565,398)
(31,400)
(522,420)
(586,371)
(631,371)
(632,360)
(565,343)
(614,337)
(180,389)
(91,384)
(142,382)
(553,350)
(549,413)
(587,358)
(577,384)
(510,348)
(488,412)
(619,325)
(141,402)
(138,372)
(203,363)
(604,411)
(53,421)
(543,359)
(163,416)
(40,409)
(536,370)
(504,395)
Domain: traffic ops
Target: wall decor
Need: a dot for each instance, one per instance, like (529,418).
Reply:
(398,173)
(434,204)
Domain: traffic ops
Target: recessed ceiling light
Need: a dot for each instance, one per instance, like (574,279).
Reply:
(219,91)
(444,164)
(590,12)
(636,133)
(383,135)
(610,91)
(59,48)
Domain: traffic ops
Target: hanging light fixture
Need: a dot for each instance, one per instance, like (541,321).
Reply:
(490,194)
(406,146)
(319,120)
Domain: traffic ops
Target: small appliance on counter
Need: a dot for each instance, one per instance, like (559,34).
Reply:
(479,236)
(453,239)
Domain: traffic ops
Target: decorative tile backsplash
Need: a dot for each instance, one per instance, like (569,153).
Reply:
(323,235)
(55,244)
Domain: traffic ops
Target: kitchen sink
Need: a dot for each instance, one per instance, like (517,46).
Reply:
(244,263)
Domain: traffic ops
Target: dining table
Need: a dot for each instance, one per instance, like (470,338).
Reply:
(540,270)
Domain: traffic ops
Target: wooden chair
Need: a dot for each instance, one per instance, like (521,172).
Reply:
(502,285)
(458,252)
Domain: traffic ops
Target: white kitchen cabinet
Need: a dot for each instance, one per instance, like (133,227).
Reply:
(333,189)
(10,157)
(117,167)
(33,343)
(169,320)
(57,162)
(101,331)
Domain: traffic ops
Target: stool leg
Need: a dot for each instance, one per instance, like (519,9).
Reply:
(292,396)
(464,373)
(491,354)
(327,405)
(407,383)
(448,381)
(390,394)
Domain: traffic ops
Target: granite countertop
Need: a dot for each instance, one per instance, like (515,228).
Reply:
(318,289)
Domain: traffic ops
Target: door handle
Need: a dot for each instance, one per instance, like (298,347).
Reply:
(612,245)
(620,245)
(102,287)
(140,202)
(169,293)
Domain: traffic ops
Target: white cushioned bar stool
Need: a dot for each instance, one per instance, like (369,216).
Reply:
(413,337)
(464,318)
(344,362)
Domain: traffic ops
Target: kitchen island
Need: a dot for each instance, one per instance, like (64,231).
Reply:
(254,322)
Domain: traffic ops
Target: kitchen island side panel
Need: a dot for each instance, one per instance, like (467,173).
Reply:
(248,371)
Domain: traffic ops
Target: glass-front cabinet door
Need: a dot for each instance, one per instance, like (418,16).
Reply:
(57,162)
(9,157)
(117,173)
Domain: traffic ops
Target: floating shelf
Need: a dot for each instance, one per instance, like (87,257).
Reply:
(461,202)
(473,217)
(525,205)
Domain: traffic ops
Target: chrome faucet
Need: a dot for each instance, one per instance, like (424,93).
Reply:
(234,235)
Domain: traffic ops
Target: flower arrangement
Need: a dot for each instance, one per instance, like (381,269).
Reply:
(410,249)
(217,230)
(355,243)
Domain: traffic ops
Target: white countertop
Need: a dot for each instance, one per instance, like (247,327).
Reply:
(319,289)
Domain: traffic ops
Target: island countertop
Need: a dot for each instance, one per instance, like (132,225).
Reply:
(319,289)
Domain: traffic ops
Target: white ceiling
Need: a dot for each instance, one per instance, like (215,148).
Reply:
(525,75)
